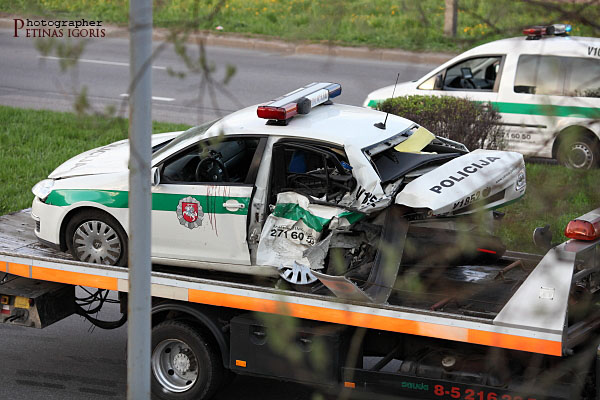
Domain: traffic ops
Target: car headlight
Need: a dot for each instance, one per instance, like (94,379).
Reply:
(521,180)
(43,188)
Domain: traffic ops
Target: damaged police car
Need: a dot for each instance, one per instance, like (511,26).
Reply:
(285,188)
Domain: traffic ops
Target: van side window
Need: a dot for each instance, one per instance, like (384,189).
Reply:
(478,73)
(583,77)
(559,76)
(540,75)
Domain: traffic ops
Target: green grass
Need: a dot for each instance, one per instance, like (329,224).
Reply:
(33,143)
(411,25)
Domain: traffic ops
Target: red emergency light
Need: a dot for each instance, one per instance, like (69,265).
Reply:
(534,31)
(278,113)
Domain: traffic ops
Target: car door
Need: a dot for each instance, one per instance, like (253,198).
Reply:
(200,205)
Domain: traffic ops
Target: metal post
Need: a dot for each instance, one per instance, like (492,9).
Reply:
(140,129)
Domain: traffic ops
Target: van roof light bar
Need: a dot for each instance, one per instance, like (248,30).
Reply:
(300,101)
(536,32)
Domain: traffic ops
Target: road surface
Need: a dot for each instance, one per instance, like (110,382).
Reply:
(31,80)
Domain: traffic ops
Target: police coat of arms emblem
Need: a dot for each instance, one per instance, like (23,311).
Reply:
(189,212)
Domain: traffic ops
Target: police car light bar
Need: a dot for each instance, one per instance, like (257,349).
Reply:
(536,32)
(300,101)
(586,227)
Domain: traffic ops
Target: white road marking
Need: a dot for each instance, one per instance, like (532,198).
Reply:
(84,60)
(153,97)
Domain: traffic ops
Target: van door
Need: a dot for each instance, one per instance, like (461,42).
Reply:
(548,94)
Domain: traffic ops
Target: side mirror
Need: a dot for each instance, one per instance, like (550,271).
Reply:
(542,238)
(155,176)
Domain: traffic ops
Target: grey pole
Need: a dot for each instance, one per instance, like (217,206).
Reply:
(140,129)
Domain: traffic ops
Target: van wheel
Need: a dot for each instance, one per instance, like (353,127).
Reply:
(579,152)
(184,364)
(96,237)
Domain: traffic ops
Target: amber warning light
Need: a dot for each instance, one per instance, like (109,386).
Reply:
(584,228)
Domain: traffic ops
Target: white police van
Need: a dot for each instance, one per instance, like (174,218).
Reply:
(545,85)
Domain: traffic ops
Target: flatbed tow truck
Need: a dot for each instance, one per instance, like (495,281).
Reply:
(522,328)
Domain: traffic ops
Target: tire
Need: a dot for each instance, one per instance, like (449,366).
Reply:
(95,236)
(579,152)
(184,364)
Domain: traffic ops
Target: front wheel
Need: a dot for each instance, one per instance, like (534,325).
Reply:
(184,364)
(579,152)
(96,237)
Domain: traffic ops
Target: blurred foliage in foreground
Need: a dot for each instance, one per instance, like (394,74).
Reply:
(406,24)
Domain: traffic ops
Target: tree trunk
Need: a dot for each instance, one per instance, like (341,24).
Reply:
(450,18)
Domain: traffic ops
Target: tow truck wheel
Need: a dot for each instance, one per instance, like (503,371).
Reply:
(579,152)
(184,364)
(96,237)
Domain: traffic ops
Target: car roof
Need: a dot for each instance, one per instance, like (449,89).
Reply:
(334,123)
(551,45)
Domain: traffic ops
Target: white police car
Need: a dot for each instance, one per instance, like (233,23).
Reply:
(546,87)
(255,191)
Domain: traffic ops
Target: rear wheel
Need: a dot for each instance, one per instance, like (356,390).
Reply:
(579,151)
(184,364)
(96,237)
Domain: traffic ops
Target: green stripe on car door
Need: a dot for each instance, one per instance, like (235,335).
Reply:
(160,201)
(108,198)
(212,204)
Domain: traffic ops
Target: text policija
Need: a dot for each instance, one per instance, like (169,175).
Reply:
(41,28)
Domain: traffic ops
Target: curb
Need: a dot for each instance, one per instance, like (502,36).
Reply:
(281,46)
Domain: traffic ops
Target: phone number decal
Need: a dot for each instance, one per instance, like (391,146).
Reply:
(453,392)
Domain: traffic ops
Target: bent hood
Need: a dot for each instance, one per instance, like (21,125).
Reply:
(107,159)
(482,179)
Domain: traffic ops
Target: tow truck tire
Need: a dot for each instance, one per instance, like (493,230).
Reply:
(95,236)
(184,364)
(579,151)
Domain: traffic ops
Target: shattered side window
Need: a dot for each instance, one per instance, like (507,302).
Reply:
(320,172)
